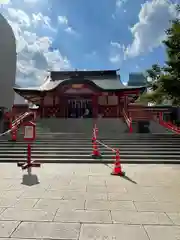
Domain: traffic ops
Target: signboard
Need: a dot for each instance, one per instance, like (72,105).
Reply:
(104,94)
(29,131)
(77,86)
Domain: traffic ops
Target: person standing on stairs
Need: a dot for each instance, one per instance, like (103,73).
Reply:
(86,113)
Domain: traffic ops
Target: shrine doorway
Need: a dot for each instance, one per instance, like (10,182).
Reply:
(77,108)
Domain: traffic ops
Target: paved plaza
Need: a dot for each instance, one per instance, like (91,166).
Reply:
(76,201)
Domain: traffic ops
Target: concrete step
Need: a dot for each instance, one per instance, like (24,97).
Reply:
(77,149)
(121,137)
(82,145)
(55,154)
(54,148)
(86,137)
(44,140)
(87,156)
(94,161)
(99,133)
(53,141)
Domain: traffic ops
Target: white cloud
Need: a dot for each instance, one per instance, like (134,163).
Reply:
(64,21)
(115,44)
(4,1)
(149,31)
(115,58)
(33,51)
(116,52)
(125,83)
(30,1)
(20,17)
(41,20)
(119,3)
(70,30)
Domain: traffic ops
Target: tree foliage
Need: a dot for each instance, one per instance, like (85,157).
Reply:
(171,80)
(164,83)
(154,92)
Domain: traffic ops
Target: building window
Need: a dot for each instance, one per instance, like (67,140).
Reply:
(112,100)
(102,100)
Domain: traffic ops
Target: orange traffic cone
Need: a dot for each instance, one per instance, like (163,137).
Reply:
(96,152)
(117,166)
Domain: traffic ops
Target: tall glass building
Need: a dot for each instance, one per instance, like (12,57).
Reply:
(137,79)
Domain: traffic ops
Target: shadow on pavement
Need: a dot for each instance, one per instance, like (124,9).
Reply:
(124,177)
(128,179)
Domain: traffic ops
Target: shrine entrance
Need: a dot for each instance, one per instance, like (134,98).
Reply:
(77,108)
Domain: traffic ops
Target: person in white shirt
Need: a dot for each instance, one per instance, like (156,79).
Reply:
(86,113)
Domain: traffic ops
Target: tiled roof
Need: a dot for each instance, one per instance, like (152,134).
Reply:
(103,84)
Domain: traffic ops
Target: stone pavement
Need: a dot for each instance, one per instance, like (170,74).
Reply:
(85,202)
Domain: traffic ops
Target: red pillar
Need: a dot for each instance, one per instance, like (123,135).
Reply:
(54,100)
(54,109)
(125,102)
(42,107)
(119,106)
(95,106)
(64,106)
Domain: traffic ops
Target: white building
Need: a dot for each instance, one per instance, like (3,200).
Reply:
(7,64)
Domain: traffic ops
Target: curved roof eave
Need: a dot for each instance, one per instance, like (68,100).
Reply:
(103,85)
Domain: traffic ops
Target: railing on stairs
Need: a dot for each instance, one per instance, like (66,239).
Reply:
(17,122)
(128,120)
(167,125)
(143,113)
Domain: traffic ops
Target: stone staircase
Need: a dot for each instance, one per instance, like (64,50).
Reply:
(70,141)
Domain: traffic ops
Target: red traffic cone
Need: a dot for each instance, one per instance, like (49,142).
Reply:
(96,152)
(117,166)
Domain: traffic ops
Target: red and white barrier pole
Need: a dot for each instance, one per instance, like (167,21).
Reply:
(29,135)
(13,130)
(95,150)
(130,126)
(29,154)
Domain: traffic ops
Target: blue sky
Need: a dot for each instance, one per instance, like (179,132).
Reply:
(103,34)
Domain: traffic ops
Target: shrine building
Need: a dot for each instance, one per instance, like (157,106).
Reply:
(67,94)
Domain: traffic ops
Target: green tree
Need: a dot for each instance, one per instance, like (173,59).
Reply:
(164,83)
(170,81)
(154,92)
